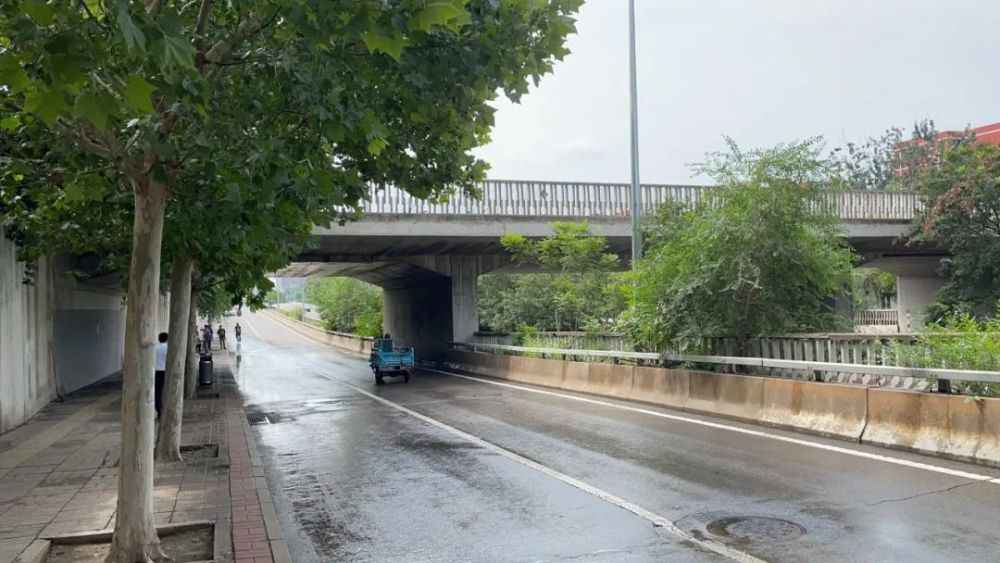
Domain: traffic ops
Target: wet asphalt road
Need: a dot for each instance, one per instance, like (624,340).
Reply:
(355,479)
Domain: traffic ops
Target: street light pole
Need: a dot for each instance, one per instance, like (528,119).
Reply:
(633,106)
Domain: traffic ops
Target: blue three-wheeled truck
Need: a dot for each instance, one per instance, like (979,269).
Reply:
(390,357)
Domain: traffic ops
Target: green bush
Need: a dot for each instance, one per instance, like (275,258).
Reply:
(959,342)
(293,313)
(347,305)
(761,253)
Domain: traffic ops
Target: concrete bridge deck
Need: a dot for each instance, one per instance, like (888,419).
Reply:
(428,254)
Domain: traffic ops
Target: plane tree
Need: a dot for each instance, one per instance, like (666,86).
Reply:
(330,94)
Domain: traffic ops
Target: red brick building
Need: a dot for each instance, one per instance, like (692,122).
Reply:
(985,134)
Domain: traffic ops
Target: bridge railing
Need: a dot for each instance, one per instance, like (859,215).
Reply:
(577,199)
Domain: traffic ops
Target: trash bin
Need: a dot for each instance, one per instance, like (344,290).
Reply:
(206,377)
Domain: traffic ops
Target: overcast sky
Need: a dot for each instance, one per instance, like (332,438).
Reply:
(760,71)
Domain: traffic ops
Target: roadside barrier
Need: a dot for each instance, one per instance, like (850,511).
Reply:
(352,343)
(951,426)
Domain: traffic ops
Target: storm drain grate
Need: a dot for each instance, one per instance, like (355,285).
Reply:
(257,419)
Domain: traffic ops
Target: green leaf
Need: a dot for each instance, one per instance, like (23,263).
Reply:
(10,123)
(12,75)
(137,94)
(75,192)
(377,41)
(96,7)
(95,107)
(376,146)
(172,50)
(39,11)
(450,14)
(47,105)
(134,38)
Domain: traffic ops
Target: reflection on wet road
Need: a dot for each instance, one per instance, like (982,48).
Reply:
(452,469)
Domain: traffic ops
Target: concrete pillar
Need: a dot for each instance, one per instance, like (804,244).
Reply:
(914,294)
(421,316)
(464,301)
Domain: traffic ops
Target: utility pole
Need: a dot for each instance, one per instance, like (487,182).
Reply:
(633,106)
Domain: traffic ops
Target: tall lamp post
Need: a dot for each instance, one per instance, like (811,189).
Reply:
(633,106)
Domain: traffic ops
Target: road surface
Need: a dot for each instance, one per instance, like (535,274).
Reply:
(451,468)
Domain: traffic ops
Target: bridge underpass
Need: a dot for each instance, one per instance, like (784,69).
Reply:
(427,256)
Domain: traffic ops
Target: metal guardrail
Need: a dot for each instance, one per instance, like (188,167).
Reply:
(579,199)
(802,365)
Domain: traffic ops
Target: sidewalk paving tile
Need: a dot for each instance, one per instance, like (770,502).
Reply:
(58,474)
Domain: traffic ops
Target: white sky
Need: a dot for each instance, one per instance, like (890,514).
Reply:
(760,71)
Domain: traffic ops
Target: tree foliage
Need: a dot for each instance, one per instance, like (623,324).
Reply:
(961,214)
(214,302)
(347,305)
(581,293)
(759,255)
(890,161)
(550,302)
(872,289)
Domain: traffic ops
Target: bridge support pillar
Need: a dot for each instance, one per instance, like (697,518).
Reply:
(917,284)
(464,301)
(420,316)
(430,315)
(913,295)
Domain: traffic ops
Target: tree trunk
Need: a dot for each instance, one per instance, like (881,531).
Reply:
(168,442)
(135,536)
(191,370)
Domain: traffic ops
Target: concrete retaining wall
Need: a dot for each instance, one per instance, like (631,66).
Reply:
(345,342)
(944,425)
(27,376)
(56,335)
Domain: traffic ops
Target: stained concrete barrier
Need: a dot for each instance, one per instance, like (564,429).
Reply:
(536,371)
(828,409)
(732,396)
(949,425)
(576,376)
(609,380)
(659,386)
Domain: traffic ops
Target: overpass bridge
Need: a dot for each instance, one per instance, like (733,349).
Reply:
(426,255)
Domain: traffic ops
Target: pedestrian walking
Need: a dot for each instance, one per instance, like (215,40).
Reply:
(239,332)
(161,373)
(206,335)
(222,337)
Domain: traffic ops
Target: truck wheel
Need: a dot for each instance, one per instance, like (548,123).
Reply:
(378,379)
(406,378)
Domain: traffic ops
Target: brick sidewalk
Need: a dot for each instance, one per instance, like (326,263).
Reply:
(57,474)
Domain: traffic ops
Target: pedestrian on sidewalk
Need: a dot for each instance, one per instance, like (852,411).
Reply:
(239,332)
(222,337)
(161,373)
(206,335)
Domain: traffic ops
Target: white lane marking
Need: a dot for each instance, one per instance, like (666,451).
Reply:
(255,331)
(747,431)
(652,517)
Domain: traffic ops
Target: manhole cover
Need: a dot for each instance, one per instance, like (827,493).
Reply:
(257,419)
(755,529)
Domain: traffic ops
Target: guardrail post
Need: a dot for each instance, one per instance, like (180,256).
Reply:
(944,386)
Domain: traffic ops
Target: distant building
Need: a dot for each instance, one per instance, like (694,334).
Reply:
(917,153)
(985,134)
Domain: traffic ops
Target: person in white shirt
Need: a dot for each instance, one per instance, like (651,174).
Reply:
(161,372)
